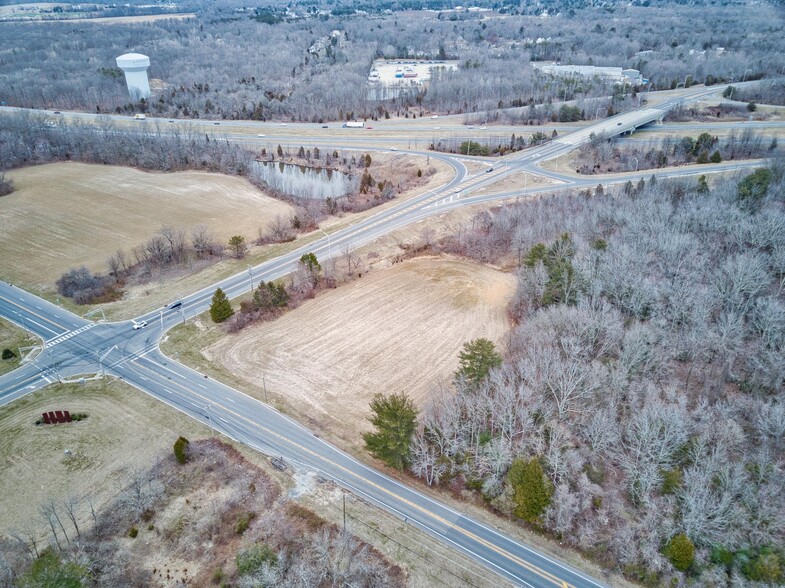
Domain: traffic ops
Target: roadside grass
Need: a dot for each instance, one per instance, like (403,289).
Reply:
(13,337)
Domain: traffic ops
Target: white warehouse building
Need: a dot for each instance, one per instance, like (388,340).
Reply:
(135,67)
(613,74)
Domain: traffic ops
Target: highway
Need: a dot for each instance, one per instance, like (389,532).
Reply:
(73,346)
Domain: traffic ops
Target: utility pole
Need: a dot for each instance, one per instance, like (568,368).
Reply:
(344,512)
(250,279)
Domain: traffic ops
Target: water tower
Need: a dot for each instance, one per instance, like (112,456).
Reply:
(135,67)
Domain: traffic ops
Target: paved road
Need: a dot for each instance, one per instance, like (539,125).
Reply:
(74,346)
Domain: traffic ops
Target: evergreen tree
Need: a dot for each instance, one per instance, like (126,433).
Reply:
(221,308)
(476,361)
(395,419)
(532,491)
(312,266)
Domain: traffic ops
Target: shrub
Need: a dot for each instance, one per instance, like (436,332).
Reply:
(251,559)
(133,532)
(243,521)
(753,188)
(680,551)
(49,570)
(6,185)
(180,450)
(764,567)
(82,286)
(218,575)
(312,520)
(8,354)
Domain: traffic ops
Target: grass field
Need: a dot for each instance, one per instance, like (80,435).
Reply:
(63,215)
(395,330)
(12,337)
(124,432)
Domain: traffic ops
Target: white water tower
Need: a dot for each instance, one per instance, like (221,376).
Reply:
(135,67)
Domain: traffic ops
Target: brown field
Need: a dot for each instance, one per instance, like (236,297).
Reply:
(63,215)
(395,330)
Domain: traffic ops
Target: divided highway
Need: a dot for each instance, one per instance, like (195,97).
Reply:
(73,346)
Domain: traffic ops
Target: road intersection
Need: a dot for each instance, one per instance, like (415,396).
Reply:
(74,346)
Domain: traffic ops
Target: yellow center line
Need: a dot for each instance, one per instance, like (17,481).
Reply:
(43,318)
(512,557)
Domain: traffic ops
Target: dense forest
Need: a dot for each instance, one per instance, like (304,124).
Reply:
(228,62)
(638,413)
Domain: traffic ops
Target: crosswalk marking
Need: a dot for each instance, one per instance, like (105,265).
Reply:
(68,335)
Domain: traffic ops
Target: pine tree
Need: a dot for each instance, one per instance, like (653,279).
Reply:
(221,308)
(476,360)
(395,419)
(532,491)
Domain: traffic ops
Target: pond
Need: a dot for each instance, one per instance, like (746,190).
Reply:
(303,181)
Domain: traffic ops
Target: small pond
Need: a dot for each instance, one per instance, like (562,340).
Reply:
(303,181)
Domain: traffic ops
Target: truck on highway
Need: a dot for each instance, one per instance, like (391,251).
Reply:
(353,124)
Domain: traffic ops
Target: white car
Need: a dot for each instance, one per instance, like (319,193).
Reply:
(261,135)
(140,325)
(458,190)
(393,149)
(435,116)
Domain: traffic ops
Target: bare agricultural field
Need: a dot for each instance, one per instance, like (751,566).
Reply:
(63,215)
(395,330)
(124,432)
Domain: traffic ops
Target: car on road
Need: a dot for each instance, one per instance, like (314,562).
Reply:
(618,124)
(171,121)
(483,128)
(261,135)
(138,116)
(325,127)
(435,116)
(139,325)
(57,112)
(216,123)
(458,190)
(176,304)
(369,128)
(284,124)
(489,170)
(393,149)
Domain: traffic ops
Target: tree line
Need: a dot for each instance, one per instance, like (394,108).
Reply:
(281,79)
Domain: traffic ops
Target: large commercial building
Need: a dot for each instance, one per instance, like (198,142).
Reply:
(613,74)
